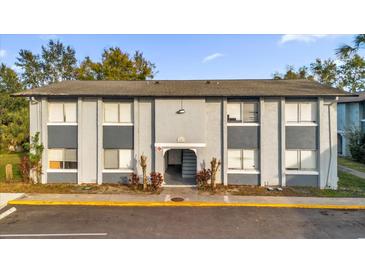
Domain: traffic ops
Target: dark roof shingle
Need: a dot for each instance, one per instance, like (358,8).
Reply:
(166,88)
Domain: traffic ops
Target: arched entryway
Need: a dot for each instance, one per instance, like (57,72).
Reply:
(180,167)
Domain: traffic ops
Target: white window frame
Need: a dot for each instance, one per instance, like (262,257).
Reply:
(71,170)
(299,121)
(242,168)
(119,123)
(299,161)
(64,122)
(242,106)
(127,170)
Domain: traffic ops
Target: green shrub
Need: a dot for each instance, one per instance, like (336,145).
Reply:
(356,144)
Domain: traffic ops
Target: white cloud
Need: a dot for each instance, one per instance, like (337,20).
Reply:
(46,37)
(2,53)
(306,38)
(212,57)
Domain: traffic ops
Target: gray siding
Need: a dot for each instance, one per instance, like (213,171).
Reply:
(118,137)
(62,136)
(301,137)
(116,178)
(243,136)
(302,180)
(61,177)
(243,179)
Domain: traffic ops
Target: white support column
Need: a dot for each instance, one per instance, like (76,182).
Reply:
(79,140)
(327,152)
(136,141)
(261,158)
(44,137)
(224,157)
(99,140)
(282,142)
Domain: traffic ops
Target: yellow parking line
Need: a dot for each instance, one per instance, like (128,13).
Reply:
(177,204)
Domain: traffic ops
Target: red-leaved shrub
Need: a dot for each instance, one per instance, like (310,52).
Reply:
(156,180)
(25,169)
(202,177)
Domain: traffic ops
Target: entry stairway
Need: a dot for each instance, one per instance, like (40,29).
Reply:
(188,164)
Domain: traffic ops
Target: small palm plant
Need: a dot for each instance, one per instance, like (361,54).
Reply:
(143,164)
(214,166)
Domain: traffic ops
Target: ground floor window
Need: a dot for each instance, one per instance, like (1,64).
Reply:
(243,159)
(298,159)
(62,158)
(118,158)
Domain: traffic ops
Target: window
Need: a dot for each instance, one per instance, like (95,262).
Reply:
(118,112)
(305,112)
(238,112)
(234,112)
(301,159)
(62,158)
(62,112)
(243,159)
(250,112)
(118,159)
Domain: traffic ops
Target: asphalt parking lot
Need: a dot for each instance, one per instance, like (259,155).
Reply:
(180,222)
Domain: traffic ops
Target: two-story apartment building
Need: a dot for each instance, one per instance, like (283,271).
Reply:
(264,132)
(350,115)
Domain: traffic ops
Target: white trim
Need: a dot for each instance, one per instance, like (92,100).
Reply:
(302,172)
(62,170)
(118,171)
(305,124)
(180,145)
(118,124)
(362,120)
(62,124)
(241,171)
(243,124)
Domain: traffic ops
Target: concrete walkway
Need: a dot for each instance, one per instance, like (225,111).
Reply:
(351,171)
(6,197)
(191,198)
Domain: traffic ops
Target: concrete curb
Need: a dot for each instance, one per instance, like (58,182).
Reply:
(179,204)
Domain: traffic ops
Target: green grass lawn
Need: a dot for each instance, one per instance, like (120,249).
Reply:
(10,158)
(347,162)
(348,186)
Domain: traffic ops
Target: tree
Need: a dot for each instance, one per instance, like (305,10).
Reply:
(352,73)
(9,80)
(325,72)
(57,62)
(116,65)
(14,124)
(346,50)
(292,74)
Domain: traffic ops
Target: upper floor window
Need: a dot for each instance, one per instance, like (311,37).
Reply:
(118,112)
(243,159)
(300,112)
(62,112)
(242,112)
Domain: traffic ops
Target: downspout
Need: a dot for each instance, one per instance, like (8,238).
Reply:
(330,143)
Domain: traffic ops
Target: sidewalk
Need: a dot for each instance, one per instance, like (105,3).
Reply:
(191,198)
(351,171)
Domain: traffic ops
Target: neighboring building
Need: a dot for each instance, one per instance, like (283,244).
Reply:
(350,115)
(265,132)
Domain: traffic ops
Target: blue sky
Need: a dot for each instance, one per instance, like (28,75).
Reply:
(195,56)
